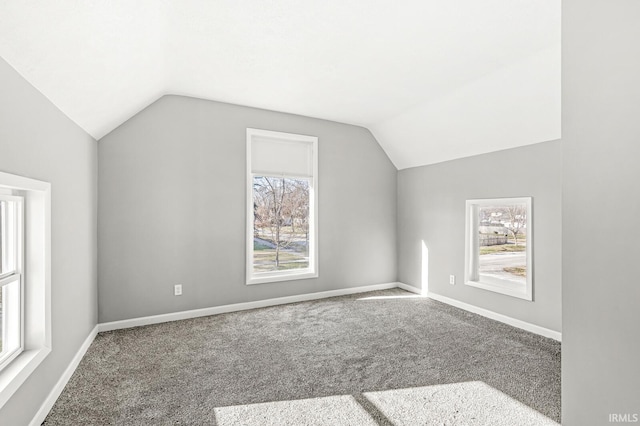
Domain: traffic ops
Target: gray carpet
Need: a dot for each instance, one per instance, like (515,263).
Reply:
(360,359)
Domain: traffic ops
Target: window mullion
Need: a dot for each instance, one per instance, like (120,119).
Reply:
(9,279)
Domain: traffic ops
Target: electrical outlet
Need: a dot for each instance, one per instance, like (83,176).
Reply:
(452,279)
(177,290)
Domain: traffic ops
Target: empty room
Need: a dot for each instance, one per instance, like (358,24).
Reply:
(319,213)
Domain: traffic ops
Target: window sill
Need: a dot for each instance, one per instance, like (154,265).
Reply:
(282,276)
(508,288)
(15,374)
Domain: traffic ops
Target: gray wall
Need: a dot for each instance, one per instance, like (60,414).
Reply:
(38,141)
(431,208)
(601,205)
(172,208)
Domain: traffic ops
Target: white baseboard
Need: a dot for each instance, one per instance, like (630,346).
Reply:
(62,382)
(175,316)
(556,335)
(410,288)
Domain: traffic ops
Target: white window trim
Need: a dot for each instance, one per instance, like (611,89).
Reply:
(471,247)
(312,270)
(36,279)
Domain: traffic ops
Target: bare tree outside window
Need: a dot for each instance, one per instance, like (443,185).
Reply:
(281,223)
(517,216)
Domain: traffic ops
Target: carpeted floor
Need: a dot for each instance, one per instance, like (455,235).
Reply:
(382,358)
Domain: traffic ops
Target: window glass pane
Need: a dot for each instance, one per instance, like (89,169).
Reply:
(10,318)
(7,237)
(502,246)
(281,224)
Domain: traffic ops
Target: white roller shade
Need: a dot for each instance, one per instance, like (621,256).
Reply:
(276,154)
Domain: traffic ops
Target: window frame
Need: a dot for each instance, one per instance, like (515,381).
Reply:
(36,281)
(471,275)
(251,277)
(12,276)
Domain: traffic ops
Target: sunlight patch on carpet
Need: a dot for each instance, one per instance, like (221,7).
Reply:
(467,403)
(332,410)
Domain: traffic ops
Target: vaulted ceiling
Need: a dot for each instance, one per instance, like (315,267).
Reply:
(433,80)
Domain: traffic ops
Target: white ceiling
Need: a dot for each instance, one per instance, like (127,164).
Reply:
(433,80)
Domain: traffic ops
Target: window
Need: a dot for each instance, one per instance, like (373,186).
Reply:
(499,246)
(25,279)
(11,231)
(282,193)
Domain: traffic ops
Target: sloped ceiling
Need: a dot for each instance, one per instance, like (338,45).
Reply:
(433,80)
